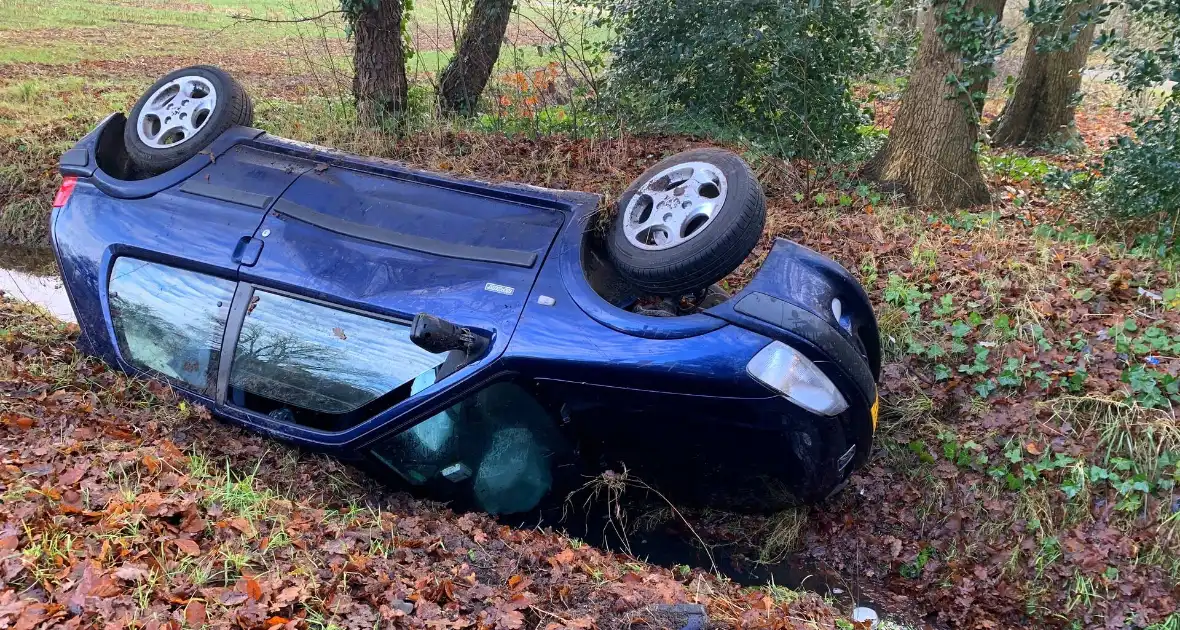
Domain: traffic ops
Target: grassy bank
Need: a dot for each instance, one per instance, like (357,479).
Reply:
(119,509)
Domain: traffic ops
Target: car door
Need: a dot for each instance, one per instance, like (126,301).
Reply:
(498,449)
(350,253)
(152,275)
(307,367)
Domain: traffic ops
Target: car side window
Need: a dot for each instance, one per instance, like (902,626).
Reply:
(499,444)
(169,320)
(320,366)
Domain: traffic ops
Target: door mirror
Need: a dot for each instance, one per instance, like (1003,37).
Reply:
(435,334)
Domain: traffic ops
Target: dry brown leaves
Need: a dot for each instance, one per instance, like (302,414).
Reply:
(118,513)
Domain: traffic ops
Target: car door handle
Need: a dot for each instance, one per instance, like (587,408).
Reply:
(247,250)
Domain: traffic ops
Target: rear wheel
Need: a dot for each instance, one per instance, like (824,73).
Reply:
(687,222)
(181,114)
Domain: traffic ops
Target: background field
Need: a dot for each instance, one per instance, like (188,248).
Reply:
(66,64)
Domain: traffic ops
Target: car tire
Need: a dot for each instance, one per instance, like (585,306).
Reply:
(181,115)
(707,232)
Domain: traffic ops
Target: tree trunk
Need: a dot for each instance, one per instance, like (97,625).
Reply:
(1042,108)
(478,48)
(379,85)
(930,153)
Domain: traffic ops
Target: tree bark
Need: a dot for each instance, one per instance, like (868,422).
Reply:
(379,85)
(464,78)
(930,153)
(1041,109)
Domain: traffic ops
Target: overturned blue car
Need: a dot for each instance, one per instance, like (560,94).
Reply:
(481,343)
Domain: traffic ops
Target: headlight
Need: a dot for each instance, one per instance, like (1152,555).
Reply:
(785,370)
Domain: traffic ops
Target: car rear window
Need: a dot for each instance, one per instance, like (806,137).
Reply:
(170,321)
(294,357)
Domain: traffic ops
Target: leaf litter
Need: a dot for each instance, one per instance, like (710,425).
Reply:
(119,509)
(1000,494)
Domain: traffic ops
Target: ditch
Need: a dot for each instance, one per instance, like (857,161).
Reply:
(27,275)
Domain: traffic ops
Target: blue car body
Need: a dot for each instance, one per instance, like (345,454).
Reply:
(372,238)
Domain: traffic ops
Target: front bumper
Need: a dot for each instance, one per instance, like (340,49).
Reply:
(817,307)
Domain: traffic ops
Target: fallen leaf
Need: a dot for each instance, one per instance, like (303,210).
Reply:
(288,595)
(195,613)
(74,474)
(242,525)
(188,547)
(132,573)
(105,587)
(565,557)
(31,617)
(511,619)
(251,588)
(22,422)
(232,598)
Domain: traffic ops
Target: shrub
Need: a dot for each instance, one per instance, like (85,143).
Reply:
(1141,182)
(894,24)
(775,71)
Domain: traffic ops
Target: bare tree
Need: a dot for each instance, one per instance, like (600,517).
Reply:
(476,52)
(1041,109)
(380,85)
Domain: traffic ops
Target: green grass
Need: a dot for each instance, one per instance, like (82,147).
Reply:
(41,99)
(106,52)
(209,15)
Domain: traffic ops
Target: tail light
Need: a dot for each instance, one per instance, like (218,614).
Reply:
(63,193)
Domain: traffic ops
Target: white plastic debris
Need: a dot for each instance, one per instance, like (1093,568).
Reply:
(862,613)
(1151,295)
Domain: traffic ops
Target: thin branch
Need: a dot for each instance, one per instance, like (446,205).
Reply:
(249,18)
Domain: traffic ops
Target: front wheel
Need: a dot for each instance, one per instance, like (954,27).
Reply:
(182,114)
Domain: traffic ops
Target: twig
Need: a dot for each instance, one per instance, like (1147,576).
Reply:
(1143,313)
(250,18)
(549,614)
